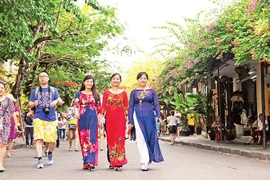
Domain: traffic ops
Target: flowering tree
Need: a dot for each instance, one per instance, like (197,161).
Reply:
(240,31)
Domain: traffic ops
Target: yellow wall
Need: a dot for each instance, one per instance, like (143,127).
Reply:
(259,90)
(8,70)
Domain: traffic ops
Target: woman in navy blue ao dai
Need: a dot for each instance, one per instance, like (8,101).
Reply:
(143,110)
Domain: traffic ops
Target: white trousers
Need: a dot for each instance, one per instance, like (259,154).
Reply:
(142,147)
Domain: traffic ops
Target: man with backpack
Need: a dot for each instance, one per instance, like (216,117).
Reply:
(44,98)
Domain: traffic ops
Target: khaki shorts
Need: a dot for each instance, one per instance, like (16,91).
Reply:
(47,131)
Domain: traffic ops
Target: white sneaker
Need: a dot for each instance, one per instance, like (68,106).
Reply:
(40,164)
(50,159)
(144,167)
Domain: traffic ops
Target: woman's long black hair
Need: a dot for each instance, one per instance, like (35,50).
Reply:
(141,74)
(93,89)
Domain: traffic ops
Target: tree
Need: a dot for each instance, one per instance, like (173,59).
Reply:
(50,33)
(152,67)
(212,38)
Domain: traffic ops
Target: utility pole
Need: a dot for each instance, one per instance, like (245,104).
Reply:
(263,105)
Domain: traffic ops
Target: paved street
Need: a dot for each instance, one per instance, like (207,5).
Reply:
(181,162)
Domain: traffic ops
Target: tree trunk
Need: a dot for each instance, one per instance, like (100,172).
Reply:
(23,66)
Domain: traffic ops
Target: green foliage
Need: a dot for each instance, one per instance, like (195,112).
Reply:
(239,31)
(191,104)
(152,66)
(59,37)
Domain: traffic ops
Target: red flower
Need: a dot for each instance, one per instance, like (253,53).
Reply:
(85,143)
(92,148)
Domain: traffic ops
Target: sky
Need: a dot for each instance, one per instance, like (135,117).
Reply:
(141,15)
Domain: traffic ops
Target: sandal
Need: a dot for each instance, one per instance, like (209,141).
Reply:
(118,168)
(110,167)
(91,167)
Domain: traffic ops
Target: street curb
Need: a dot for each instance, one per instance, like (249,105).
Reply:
(227,150)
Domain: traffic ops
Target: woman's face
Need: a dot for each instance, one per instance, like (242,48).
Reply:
(88,84)
(2,89)
(142,80)
(116,81)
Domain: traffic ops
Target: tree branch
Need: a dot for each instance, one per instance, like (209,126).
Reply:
(58,16)
(37,30)
(68,27)
(38,42)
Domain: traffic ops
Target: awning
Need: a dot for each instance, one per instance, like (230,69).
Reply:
(226,69)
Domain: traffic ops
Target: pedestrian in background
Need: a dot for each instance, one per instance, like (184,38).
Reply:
(141,114)
(58,115)
(13,128)
(101,135)
(7,114)
(72,129)
(172,125)
(29,128)
(44,98)
(87,106)
(62,122)
(115,105)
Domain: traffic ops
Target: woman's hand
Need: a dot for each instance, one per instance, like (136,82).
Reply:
(100,117)
(100,124)
(130,126)
(15,128)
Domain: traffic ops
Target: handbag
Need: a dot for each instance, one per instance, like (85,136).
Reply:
(72,126)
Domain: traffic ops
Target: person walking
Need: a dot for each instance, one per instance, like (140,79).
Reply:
(172,125)
(101,136)
(62,127)
(72,129)
(7,114)
(115,105)
(141,114)
(13,130)
(29,128)
(44,98)
(87,106)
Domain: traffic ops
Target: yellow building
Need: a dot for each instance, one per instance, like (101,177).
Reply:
(8,73)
